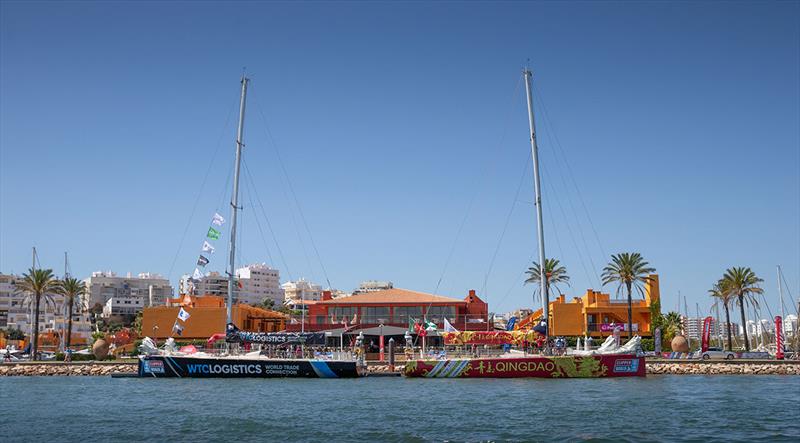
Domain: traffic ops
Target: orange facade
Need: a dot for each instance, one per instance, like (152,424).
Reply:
(595,312)
(207,317)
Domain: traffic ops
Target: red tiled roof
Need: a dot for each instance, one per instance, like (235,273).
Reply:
(387,296)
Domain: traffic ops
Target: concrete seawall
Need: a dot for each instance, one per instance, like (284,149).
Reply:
(653,368)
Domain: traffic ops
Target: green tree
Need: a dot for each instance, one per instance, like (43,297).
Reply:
(724,297)
(742,283)
(554,272)
(37,283)
(72,289)
(671,325)
(631,271)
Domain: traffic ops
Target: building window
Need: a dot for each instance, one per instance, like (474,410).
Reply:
(437,314)
(342,313)
(376,314)
(402,313)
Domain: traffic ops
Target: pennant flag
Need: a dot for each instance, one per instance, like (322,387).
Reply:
(213,234)
(217,220)
(197,275)
(183,315)
(187,300)
(207,247)
(430,326)
(355,318)
(448,327)
(202,261)
(411,325)
(177,329)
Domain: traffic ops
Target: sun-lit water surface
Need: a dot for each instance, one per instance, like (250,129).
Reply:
(656,408)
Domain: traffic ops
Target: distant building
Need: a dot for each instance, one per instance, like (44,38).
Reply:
(295,291)
(394,308)
(145,289)
(212,284)
(790,325)
(15,313)
(259,282)
(372,286)
(255,283)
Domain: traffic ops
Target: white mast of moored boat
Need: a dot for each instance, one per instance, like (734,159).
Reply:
(538,202)
(235,197)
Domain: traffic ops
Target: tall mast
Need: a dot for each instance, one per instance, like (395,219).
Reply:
(538,202)
(235,197)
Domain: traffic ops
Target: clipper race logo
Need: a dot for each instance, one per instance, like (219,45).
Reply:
(153,367)
(626,365)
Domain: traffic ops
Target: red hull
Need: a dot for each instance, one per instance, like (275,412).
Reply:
(523,367)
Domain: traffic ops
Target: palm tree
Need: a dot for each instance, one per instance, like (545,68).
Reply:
(742,283)
(37,283)
(629,270)
(553,271)
(671,325)
(72,289)
(723,296)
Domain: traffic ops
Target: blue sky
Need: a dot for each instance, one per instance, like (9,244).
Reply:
(677,122)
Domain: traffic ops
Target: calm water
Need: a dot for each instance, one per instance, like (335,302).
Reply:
(658,408)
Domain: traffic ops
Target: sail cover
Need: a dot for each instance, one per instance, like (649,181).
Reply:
(235,335)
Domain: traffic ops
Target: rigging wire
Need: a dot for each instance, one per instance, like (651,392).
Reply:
(269,225)
(484,175)
(505,226)
(200,191)
(258,223)
(291,190)
(571,174)
(551,191)
(575,219)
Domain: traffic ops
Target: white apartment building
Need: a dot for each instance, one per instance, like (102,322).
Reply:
(143,290)
(212,284)
(258,282)
(789,325)
(15,313)
(255,282)
(301,290)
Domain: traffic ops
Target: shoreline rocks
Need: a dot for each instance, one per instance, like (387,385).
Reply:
(65,369)
(722,368)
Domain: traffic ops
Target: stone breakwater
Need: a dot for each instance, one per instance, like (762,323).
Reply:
(739,368)
(45,369)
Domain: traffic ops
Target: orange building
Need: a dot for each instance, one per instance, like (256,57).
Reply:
(207,317)
(595,313)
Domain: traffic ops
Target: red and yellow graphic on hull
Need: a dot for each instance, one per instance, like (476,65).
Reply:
(522,367)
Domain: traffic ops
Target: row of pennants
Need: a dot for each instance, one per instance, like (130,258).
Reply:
(213,233)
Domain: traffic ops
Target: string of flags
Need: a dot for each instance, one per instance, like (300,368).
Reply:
(207,249)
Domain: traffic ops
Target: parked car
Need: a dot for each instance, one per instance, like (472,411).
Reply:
(718,354)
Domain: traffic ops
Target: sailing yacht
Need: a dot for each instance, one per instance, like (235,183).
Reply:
(610,360)
(171,362)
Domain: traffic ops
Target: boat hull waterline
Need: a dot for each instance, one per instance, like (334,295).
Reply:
(530,367)
(198,367)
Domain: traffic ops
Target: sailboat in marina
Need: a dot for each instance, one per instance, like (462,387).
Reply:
(171,362)
(610,360)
